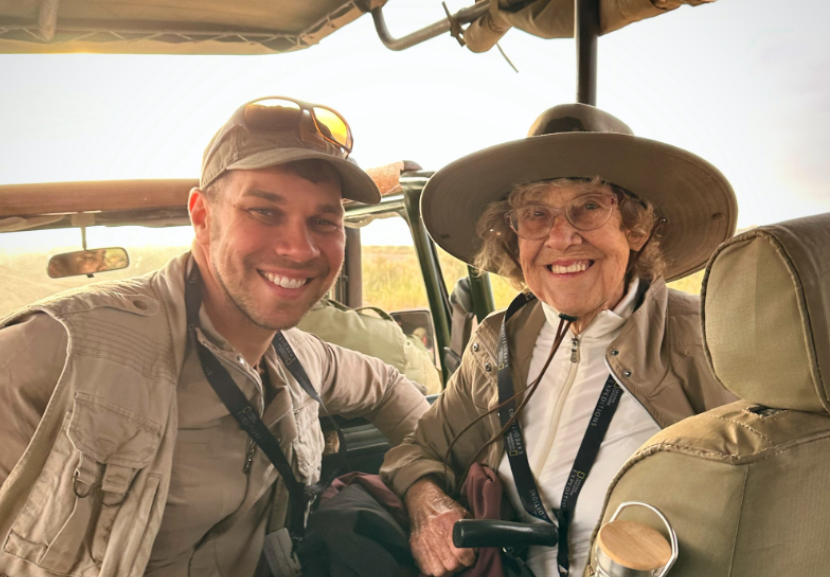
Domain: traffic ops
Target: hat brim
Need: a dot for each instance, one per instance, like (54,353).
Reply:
(357,185)
(695,198)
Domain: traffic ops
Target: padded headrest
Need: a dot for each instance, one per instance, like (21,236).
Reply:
(766,314)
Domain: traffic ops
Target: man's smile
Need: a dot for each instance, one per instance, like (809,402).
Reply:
(284,281)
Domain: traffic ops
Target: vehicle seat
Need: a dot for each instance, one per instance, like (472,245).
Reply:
(463,318)
(747,486)
(373,332)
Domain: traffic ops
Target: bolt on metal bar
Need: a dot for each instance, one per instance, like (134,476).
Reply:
(586,32)
(463,16)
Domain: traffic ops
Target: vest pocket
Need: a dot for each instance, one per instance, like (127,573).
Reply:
(89,484)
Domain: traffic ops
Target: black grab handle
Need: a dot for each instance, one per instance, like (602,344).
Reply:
(492,533)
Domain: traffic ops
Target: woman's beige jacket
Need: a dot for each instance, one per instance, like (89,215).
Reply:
(658,358)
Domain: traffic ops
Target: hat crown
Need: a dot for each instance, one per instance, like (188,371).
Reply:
(577,118)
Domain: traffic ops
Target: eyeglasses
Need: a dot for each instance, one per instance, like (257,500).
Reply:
(280,114)
(585,212)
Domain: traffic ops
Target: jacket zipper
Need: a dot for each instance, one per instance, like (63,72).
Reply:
(560,403)
(622,386)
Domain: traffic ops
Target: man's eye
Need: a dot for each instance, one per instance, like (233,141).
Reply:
(265,215)
(325,225)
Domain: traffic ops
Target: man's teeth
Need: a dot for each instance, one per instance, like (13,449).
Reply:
(284,281)
(575,267)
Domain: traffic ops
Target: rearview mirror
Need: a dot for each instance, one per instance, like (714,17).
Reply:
(87,262)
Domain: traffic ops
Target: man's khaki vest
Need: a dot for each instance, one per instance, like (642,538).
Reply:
(745,486)
(87,496)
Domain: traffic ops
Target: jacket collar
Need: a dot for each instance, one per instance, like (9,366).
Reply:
(608,320)
(639,348)
(640,339)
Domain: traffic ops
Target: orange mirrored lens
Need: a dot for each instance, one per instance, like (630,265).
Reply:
(273,114)
(332,126)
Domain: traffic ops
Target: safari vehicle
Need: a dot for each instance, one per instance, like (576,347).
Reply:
(61,213)
(30,210)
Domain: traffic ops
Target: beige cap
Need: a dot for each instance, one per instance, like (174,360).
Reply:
(235,148)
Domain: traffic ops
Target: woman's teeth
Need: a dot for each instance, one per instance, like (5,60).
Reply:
(575,267)
(284,281)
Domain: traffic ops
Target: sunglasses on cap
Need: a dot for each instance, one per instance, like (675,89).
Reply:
(315,124)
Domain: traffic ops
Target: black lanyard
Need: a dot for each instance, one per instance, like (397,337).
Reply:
(517,456)
(300,495)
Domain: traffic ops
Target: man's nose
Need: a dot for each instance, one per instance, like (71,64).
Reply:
(296,241)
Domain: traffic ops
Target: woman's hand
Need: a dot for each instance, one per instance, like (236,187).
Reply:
(432,515)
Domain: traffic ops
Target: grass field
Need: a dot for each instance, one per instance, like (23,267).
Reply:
(23,277)
(391,276)
(392,279)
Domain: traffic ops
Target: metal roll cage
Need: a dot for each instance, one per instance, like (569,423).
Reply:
(586,32)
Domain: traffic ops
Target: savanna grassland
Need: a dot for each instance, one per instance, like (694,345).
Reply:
(23,277)
(391,276)
(392,279)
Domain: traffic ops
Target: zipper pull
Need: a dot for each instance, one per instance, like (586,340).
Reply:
(249,458)
(574,350)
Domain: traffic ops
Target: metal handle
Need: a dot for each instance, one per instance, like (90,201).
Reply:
(496,533)
(672,534)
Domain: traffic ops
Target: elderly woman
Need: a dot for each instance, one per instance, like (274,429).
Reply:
(588,220)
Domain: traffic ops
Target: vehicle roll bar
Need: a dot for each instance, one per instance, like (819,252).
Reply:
(463,16)
(586,33)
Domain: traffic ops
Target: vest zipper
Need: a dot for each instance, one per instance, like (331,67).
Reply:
(560,403)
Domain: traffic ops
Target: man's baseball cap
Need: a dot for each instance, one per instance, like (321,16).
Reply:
(273,131)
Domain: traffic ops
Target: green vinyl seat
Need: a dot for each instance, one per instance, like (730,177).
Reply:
(746,486)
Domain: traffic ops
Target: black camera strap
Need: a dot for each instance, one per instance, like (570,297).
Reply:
(300,495)
(526,485)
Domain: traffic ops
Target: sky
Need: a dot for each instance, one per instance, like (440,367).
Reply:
(743,83)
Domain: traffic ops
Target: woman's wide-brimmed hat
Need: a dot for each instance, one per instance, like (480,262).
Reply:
(581,141)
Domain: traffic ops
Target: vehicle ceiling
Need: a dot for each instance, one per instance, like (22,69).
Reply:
(172,26)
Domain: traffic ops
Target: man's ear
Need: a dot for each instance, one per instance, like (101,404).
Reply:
(199,209)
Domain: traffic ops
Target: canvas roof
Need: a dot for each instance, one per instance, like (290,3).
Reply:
(172,26)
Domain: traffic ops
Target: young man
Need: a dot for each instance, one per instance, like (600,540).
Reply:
(119,457)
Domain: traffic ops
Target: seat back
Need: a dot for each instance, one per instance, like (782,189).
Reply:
(373,332)
(745,485)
